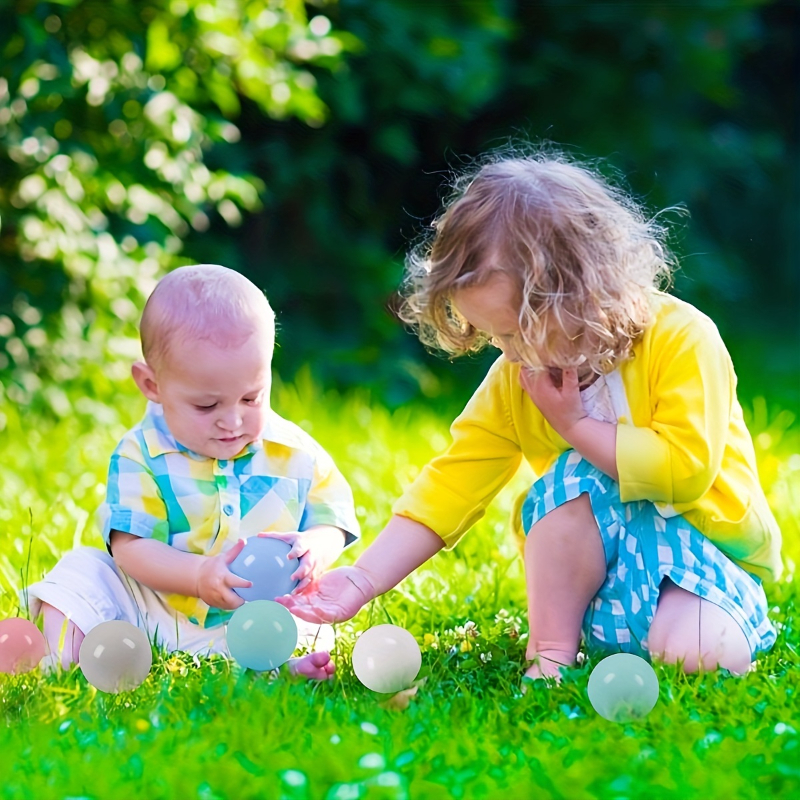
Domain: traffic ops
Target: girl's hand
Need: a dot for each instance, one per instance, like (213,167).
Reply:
(215,581)
(560,404)
(337,596)
(315,549)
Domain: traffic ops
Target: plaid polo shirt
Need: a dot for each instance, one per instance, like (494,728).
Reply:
(159,489)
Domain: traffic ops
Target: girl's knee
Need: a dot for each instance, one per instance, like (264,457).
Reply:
(698,634)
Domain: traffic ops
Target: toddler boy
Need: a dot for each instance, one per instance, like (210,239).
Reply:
(209,465)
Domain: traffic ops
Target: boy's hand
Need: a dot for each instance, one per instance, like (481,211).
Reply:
(556,396)
(337,596)
(215,581)
(315,549)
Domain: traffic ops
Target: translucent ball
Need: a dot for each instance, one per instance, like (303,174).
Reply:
(22,645)
(623,687)
(263,561)
(261,635)
(386,658)
(115,656)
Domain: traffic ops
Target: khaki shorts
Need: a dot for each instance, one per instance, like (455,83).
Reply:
(88,588)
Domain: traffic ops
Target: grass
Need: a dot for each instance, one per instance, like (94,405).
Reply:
(205,729)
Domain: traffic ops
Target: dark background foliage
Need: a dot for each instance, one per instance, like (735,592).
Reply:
(689,103)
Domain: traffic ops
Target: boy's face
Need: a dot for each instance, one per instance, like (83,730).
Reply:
(215,399)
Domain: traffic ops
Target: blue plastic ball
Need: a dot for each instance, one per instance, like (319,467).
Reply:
(261,635)
(264,562)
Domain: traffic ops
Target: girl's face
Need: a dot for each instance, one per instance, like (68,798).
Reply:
(492,308)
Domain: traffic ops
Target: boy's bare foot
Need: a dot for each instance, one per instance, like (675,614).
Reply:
(314,666)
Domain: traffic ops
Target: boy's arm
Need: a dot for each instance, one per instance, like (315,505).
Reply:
(332,532)
(165,569)
(156,564)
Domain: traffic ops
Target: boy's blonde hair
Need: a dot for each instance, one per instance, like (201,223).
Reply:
(205,302)
(582,253)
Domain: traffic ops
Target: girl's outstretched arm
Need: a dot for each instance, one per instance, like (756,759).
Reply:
(401,547)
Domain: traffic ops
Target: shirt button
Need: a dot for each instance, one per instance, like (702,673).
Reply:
(228,509)
(223,464)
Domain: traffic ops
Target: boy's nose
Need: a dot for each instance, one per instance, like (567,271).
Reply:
(230,421)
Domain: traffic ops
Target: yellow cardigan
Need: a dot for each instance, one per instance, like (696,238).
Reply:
(687,445)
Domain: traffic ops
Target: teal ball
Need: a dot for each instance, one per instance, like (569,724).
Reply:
(623,687)
(261,635)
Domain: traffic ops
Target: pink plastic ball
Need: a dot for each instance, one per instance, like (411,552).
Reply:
(22,646)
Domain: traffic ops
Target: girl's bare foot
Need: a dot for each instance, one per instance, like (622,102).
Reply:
(540,666)
(314,666)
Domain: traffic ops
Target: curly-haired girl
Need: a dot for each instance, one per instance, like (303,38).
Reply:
(647,530)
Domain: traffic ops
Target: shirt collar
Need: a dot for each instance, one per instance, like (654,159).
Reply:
(159,438)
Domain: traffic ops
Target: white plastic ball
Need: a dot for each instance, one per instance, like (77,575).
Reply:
(386,658)
(115,656)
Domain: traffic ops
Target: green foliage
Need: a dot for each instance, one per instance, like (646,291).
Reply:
(138,135)
(203,727)
(108,116)
(686,100)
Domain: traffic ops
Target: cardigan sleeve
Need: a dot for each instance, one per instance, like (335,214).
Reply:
(453,491)
(692,386)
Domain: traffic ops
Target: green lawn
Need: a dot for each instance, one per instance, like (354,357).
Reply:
(206,729)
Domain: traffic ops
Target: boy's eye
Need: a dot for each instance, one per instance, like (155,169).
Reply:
(206,408)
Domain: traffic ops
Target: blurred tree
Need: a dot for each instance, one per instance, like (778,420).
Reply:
(692,102)
(108,112)
(136,131)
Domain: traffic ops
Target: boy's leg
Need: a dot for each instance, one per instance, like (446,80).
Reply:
(317,664)
(63,637)
(696,632)
(565,567)
(85,584)
(314,636)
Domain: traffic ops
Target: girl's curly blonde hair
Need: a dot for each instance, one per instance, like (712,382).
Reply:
(582,253)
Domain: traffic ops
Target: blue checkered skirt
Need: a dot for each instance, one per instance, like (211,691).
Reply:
(642,548)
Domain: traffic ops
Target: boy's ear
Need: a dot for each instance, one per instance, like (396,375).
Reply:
(146,380)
